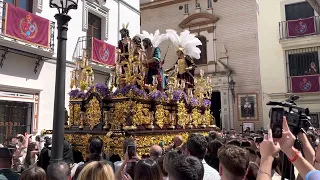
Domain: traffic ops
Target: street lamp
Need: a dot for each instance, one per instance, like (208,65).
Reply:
(231,87)
(62,18)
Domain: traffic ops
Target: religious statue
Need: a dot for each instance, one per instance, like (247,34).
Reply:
(152,59)
(187,50)
(124,43)
(137,49)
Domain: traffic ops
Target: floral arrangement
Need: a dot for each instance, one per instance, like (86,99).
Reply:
(158,95)
(194,102)
(178,95)
(102,89)
(135,90)
(206,103)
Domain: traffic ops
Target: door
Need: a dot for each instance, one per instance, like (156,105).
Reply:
(216,107)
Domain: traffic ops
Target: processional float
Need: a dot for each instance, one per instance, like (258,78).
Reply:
(140,100)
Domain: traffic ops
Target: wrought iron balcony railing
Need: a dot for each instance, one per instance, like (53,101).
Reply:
(299,28)
(49,48)
(83,43)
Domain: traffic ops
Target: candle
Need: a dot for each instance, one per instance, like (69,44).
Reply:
(183,84)
(92,77)
(72,75)
(154,80)
(195,80)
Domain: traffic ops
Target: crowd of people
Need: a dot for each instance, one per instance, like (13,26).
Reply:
(220,155)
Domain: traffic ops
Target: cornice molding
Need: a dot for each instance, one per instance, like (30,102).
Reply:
(159,3)
(300,42)
(187,22)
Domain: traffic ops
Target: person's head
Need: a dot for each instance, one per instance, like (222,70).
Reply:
(127,142)
(168,158)
(96,146)
(177,140)
(33,173)
(155,152)
(96,170)
(313,65)
(160,162)
(252,171)
(38,139)
(124,33)
(197,145)
(5,158)
(58,171)
(136,41)
(180,54)
(234,162)
(252,154)
(186,167)
(213,148)
(146,43)
(234,142)
(147,169)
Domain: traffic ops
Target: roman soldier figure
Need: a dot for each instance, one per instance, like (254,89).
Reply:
(187,50)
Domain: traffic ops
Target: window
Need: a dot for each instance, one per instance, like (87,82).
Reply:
(303,63)
(298,11)
(203,48)
(186,9)
(197,4)
(94,30)
(209,3)
(94,26)
(15,118)
(24,4)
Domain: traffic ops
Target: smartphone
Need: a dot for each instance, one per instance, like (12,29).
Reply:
(131,149)
(276,119)
(258,139)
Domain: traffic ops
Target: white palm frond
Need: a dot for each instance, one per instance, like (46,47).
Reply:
(155,38)
(187,41)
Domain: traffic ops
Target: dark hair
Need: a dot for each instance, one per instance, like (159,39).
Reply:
(234,142)
(20,139)
(31,147)
(127,142)
(38,138)
(186,168)
(252,154)
(33,173)
(234,159)
(58,171)
(137,40)
(252,171)
(147,169)
(124,33)
(168,158)
(161,166)
(213,148)
(147,41)
(197,145)
(96,145)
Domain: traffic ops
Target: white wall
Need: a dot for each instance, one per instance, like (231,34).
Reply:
(75,25)
(18,72)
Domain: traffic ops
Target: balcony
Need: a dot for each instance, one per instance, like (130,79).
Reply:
(85,45)
(15,44)
(299,28)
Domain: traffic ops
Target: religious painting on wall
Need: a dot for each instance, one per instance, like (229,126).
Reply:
(247,107)
(248,127)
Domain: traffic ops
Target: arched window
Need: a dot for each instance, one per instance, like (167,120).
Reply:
(203,48)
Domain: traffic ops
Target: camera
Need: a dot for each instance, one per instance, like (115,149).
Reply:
(298,118)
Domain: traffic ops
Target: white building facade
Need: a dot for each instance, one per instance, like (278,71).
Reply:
(27,71)
(289,50)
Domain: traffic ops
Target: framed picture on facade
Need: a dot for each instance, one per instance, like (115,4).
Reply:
(248,126)
(247,106)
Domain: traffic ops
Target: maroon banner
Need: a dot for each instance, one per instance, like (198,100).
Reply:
(301,27)
(23,25)
(103,52)
(301,84)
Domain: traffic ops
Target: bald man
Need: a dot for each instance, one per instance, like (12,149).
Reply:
(155,152)
(177,142)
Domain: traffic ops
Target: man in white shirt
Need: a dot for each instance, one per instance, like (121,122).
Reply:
(197,147)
